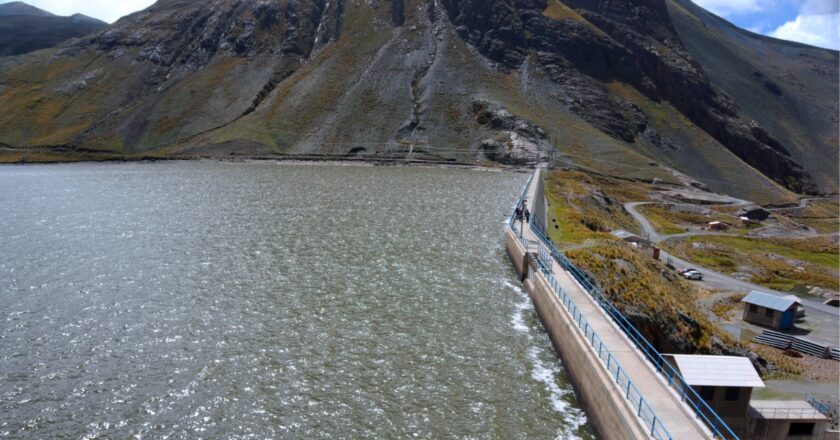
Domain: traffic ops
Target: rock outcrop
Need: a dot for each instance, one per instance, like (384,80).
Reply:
(400,75)
(631,41)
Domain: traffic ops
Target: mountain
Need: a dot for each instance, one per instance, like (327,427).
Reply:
(25,28)
(648,89)
(21,8)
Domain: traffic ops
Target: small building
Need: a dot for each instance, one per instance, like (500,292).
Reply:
(630,237)
(746,221)
(725,383)
(718,226)
(783,420)
(644,245)
(800,311)
(769,310)
(757,214)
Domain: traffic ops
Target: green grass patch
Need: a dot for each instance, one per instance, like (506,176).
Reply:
(777,263)
(584,206)
(638,284)
(823,215)
(724,306)
(662,219)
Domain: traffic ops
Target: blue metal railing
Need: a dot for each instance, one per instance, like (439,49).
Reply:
(512,220)
(546,258)
(687,394)
(519,201)
(818,405)
(640,406)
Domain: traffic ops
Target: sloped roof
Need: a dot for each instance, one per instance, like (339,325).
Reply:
(769,301)
(624,234)
(794,298)
(629,236)
(717,371)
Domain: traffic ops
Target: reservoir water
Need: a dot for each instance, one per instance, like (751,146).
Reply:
(217,300)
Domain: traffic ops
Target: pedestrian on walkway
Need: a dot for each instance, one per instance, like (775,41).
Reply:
(527,216)
(520,212)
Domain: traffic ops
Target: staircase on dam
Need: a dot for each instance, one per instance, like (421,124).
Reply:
(655,400)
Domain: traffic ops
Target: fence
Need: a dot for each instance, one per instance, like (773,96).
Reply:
(830,409)
(788,413)
(687,394)
(631,392)
(819,405)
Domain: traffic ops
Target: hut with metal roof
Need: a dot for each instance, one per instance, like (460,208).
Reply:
(769,310)
(725,383)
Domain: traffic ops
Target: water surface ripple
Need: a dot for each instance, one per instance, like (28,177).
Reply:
(213,300)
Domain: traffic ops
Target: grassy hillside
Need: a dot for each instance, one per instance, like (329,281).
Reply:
(674,314)
(219,77)
(774,262)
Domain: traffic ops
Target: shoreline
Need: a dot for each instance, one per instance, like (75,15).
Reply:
(288,160)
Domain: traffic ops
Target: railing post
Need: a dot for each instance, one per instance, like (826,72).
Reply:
(547,249)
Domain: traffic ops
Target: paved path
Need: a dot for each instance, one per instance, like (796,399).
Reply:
(677,418)
(725,282)
(716,279)
(652,234)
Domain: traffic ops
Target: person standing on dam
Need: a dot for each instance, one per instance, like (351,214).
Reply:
(520,211)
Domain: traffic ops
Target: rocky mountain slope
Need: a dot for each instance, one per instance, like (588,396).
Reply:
(21,8)
(650,89)
(25,28)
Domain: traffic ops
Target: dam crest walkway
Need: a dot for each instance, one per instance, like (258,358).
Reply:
(666,402)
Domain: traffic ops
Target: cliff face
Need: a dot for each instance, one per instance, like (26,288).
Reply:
(611,83)
(632,41)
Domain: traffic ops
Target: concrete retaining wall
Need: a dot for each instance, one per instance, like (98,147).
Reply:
(539,206)
(517,254)
(604,403)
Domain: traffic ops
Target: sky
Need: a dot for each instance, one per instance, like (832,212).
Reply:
(815,22)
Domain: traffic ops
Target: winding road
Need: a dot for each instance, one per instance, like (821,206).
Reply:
(713,278)
(652,234)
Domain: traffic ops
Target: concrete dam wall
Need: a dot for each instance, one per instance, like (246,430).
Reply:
(596,391)
(623,394)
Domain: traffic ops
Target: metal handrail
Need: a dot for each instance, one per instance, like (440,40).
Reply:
(800,413)
(819,405)
(512,220)
(519,201)
(546,258)
(641,407)
(687,394)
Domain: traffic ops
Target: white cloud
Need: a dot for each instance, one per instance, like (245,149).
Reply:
(730,7)
(821,30)
(107,10)
(816,21)
(820,7)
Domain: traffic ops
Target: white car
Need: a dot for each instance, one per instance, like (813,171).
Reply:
(692,275)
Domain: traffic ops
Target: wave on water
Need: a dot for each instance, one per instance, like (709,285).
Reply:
(517,318)
(544,371)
